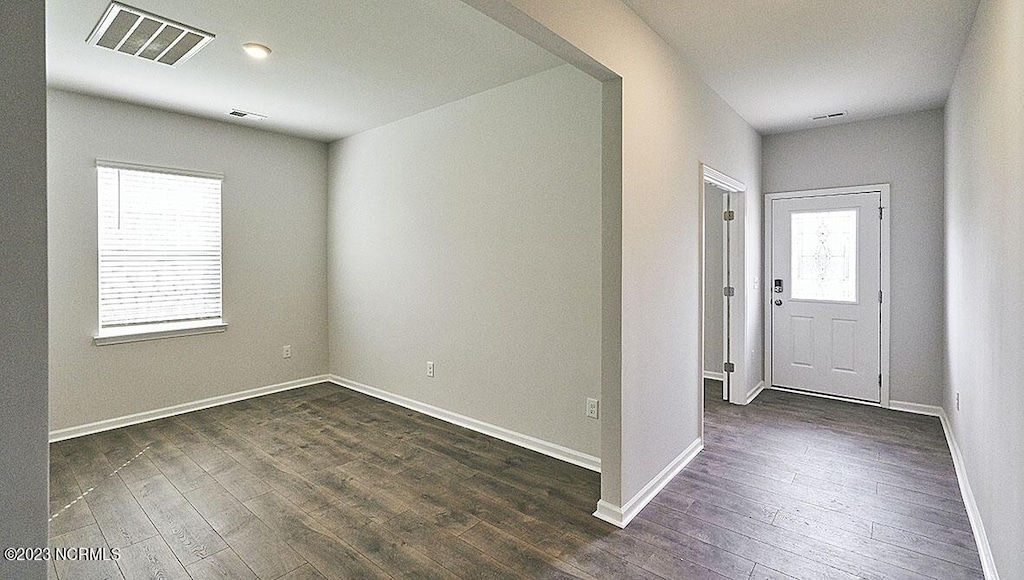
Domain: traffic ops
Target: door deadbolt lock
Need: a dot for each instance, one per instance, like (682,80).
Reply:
(778,302)
(778,286)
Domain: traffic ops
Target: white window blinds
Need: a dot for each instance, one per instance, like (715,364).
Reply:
(159,248)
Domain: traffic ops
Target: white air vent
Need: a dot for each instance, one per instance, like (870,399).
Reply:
(829,116)
(247,115)
(146,35)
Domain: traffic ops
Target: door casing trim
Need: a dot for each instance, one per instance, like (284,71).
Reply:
(886,314)
(710,175)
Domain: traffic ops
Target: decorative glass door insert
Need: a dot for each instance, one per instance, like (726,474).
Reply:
(824,255)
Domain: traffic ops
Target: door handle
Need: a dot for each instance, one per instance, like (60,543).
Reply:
(778,302)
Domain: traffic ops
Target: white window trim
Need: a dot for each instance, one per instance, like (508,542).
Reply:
(139,333)
(157,169)
(157,331)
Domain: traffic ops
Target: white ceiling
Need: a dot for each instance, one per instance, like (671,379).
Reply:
(780,62)
(338,66)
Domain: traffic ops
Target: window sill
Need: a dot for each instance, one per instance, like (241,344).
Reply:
(158,331)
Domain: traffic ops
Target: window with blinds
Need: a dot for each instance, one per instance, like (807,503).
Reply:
(159,250)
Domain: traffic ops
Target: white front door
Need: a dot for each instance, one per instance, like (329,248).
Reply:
(825,305)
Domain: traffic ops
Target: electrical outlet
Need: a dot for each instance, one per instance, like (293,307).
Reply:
(592,408)
(958,400)
(286,351)
(430,369)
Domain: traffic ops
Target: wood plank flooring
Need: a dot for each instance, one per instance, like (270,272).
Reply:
(323,482)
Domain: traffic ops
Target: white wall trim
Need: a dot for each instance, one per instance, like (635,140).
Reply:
(825,396)
(142,333)
(622,516)
(532,443)
(118,422)
(916,408)
(988,562)
(754,393)
(153,168)
(714,376)
(721,180)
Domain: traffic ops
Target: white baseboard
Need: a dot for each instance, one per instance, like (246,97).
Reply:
(118,422)
(988,563)
(825,396)
(714,376)
(754,393)
(622,516)
(532,443)
(916,408)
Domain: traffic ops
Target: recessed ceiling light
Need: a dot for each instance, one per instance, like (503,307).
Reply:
(256,50)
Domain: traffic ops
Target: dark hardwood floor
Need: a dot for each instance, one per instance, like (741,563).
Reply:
(322,482)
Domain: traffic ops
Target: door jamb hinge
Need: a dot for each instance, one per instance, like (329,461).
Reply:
(729,367)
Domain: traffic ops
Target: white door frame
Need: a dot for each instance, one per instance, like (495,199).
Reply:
(709,175)
(883,189)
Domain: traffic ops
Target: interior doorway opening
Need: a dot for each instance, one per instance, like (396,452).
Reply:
(716,277)
(720,204)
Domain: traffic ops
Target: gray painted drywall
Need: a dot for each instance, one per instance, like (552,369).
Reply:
(611,276)
(23,393)
(470,236)
(985,273)
(274,261)
(671,121)
(750,208)
(905,151)
(714,301)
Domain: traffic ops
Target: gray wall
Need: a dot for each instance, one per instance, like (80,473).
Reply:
(274,247)
(985,273)
(671,121)
(905,151)
(23,393)
(469,235)
(714,301)
(747,318)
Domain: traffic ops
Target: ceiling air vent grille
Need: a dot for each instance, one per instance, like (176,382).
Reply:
(146,35)
(829,116)
(247,115)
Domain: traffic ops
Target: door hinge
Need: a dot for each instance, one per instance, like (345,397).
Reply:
(729,367)
(729,215)
(728,291)
(879,380)
(880,208)
(879,296)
